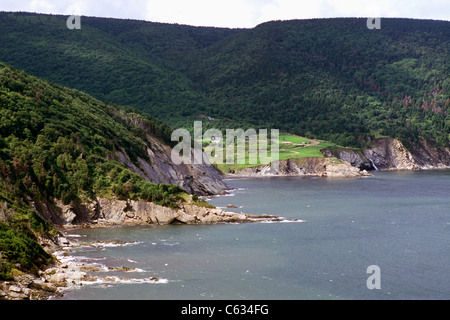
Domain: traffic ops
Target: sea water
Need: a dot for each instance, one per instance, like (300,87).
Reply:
(397,221)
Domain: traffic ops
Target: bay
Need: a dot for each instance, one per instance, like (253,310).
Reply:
(398,221)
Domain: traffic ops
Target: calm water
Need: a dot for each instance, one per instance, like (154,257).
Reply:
(399,221)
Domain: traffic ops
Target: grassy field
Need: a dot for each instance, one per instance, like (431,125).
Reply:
(290,147)
(293,139)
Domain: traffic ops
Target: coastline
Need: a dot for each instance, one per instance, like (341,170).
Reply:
(230,176)
(65,274)
(304,167)
(246,174)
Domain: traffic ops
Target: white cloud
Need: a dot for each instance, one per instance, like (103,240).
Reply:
(234,13)
(231,13)
(285,10)
(430,9)
(41,5)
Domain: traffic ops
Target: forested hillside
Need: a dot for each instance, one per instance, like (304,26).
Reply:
(330,79)
(335,79)
(58,144)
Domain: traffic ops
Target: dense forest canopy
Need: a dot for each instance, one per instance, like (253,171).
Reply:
(59,144)
(332,79)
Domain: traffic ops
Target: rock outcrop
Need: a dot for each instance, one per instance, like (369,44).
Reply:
(200,179)
(313,166)
(65,273)
(391,154)
(27,287)
(138,212)
(105,212)
(353,157)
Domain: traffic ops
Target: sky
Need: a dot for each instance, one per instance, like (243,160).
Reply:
(234,13)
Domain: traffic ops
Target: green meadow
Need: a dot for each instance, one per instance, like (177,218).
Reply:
(290,147)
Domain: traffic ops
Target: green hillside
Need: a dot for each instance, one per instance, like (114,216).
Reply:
(59,144)
(337,80)
(121,61)
(330,79)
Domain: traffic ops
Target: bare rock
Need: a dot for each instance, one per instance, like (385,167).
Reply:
(314,166)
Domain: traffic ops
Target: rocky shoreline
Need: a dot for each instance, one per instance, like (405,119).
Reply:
(312,166)
(384,154)
(391,154)
(64,274)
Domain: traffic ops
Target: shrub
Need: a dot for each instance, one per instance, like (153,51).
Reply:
(19,248)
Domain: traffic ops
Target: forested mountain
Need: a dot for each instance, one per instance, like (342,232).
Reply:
(323,78)
(58,144)
(330,79)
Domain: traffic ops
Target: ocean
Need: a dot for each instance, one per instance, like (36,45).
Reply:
(396,222)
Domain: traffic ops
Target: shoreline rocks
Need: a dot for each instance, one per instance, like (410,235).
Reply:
(28,287)
(312,166)
(111,212)
(64,274)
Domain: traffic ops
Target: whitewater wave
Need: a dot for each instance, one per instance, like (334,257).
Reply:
(227,195)
(283,220)
(112,244)
(119,280)
(74,235)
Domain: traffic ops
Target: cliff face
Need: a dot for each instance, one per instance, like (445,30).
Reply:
(201,179)
(314,166)
(104,211)
(384,154)
(391,154)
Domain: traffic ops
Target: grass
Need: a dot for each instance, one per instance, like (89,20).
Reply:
(294,139)
(378,135)
(290,147)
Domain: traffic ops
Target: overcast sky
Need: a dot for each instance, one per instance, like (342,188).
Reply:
(234,13)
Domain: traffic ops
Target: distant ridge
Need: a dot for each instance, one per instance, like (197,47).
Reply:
(330,79)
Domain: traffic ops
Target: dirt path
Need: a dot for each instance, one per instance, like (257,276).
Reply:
(312,143)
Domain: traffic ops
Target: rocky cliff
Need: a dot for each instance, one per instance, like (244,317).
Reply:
(383,154)
(313,166)
(391,154)
(105,212)
(201,179)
